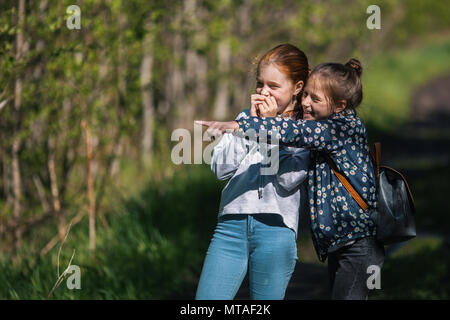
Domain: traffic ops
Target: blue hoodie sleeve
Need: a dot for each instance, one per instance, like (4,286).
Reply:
(293,168)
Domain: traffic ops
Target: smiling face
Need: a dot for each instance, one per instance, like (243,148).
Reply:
(271,81)
(315,103)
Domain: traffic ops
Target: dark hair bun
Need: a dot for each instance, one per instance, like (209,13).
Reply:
(355,65)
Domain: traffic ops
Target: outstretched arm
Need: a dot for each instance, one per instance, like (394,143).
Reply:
(324,135)
(217,128)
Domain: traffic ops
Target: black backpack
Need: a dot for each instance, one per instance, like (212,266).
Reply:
(395,210)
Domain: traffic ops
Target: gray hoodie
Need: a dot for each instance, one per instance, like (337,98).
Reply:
(250,192)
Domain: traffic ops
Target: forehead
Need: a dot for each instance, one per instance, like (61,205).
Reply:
(271,72)
(313,86)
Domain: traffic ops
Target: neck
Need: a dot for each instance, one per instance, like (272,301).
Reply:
(288,110)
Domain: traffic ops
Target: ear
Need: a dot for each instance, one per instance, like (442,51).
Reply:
(298,87)
(340,106)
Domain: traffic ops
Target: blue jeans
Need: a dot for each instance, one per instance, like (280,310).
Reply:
(259,243)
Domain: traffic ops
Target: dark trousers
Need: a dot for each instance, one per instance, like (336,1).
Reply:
(351,266)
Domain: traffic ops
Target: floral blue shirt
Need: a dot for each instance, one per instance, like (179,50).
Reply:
(336,218)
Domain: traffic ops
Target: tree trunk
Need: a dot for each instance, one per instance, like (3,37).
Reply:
(54,188)
(147,95)
(90,186)
(17,179)
(175,88)
(222,103)
(122,68)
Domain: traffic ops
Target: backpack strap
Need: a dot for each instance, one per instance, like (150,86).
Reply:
(376,157)
(346,183)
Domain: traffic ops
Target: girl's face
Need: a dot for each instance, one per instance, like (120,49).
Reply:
(272,82)
(315,103)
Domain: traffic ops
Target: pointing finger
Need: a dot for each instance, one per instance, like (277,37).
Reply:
(203,123)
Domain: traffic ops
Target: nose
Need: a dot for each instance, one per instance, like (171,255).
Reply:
(306,102)
(264,92)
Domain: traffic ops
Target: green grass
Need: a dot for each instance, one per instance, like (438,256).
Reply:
(153,248)
(417,271)
(430,189)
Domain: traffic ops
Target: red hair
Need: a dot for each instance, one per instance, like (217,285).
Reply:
(291,61)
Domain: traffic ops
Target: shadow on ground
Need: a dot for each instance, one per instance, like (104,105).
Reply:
(309,282)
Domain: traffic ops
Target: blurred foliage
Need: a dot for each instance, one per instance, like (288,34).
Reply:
(158,218)
(389,81)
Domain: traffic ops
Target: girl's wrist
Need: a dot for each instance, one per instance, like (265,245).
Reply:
(235,125)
